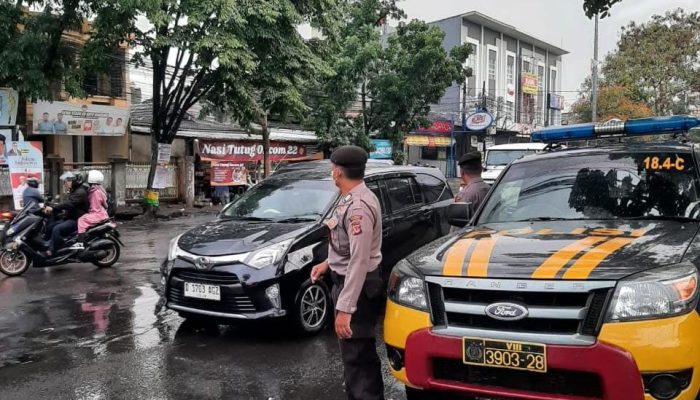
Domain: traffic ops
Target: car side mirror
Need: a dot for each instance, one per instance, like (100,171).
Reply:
(459,214)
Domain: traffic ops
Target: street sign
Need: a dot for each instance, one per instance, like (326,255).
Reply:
(479,121)
(474,140)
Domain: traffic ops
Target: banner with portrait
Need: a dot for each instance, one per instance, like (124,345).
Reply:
(9,100)
(61,118)
(25,160)
(228,174)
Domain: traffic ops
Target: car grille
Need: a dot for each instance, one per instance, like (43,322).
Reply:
(560,309)
(554,382)
(229,303)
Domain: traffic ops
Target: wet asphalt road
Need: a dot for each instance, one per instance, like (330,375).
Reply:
(77,332)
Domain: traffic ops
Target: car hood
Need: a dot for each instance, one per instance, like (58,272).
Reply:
(603,250)
(226,237)
(492,172)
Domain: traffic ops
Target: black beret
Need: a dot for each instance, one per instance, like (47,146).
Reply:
(474,156)
(349,156)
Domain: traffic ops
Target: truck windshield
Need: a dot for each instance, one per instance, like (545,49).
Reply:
(505,157)
(282,199)
(609,185)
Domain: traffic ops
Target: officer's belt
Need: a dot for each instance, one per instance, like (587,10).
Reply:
(337,279)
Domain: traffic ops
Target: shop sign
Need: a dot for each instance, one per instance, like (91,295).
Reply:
(248,151)
(62,118)
(556,102)
(479,121)
(528,83)
(382,149)
(228,174)
(438,127)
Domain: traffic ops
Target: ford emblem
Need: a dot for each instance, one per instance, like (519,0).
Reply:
(506,311)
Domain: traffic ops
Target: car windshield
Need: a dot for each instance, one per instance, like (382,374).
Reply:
(597,186)
(505,157)
(283,199)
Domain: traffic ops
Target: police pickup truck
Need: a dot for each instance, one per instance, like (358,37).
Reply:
(576,279)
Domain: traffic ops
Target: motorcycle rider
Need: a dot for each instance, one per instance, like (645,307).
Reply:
(75,207)
(32,194)
(98,204)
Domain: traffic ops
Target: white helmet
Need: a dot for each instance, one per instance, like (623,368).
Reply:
(95,177)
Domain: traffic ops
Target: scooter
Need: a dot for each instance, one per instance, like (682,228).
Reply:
(22,244)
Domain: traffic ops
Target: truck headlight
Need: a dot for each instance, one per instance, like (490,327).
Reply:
(269,255)
(659,293)
(173,250)
(406,288)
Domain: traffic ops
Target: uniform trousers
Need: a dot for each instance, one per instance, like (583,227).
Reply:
(361,364)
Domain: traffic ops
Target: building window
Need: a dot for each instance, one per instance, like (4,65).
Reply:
(541,97)
(473,63)
(492,72)
(554,115)
(510,85)
(112,84)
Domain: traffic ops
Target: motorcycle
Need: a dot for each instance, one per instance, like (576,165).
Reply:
(22,244)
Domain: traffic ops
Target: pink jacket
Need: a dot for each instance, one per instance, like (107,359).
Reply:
(98,208)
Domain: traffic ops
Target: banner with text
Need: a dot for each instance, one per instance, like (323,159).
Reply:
(228,174)
(61,118)
(248,151)
(25,159)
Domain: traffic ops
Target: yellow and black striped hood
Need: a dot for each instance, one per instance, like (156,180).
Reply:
(557,250)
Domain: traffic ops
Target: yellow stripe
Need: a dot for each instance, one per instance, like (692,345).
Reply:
(551,266)
(455,258)
(479,263)
(589,261)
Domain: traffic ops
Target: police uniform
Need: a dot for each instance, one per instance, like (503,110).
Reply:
(354,256)
(475,192)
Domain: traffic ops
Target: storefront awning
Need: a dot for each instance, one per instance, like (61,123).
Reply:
(428,141)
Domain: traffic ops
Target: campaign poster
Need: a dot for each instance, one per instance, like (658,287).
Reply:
(8,106)
(228,174)
(5,139)
(61,118)
(161,180)
(24,159)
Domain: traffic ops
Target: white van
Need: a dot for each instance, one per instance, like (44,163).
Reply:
(498,157)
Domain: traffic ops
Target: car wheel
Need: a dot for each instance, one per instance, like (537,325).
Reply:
(312,307)
(14,263)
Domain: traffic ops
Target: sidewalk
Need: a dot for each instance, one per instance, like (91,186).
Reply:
(166,211)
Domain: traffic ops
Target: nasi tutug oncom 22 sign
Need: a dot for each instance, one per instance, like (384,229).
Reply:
(248,151)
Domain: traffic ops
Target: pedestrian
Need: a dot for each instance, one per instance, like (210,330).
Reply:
(354,254)
(473,189)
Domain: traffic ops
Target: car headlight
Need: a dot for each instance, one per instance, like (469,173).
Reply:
(659,293)
(406,288)
(269,255)
(173,250)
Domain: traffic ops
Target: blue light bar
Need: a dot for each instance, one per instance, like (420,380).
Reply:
(633,127)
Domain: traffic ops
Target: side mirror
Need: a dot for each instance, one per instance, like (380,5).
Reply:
(459,214)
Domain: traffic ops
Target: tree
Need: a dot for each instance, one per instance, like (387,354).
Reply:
(601,7)
(614,102)
(338,100)
(657,62)
(414,72)
(230,53)
(34,58)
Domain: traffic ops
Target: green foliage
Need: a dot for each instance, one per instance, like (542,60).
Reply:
(602,7)
(614,102)
(34,59)
(657,62)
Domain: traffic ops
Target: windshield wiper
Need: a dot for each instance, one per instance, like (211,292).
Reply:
(662,218)
(301,218)
(249,218)
(546,219)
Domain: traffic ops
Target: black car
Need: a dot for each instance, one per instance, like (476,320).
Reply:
(254,260)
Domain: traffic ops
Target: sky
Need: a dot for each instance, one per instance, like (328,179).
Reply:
(559,22)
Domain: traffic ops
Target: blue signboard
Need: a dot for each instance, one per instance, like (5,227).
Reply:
(382,149)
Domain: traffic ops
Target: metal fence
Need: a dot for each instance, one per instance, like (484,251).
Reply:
(137,181)
(5,187)
(105,168)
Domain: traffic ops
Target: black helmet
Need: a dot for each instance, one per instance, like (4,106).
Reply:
(33,182)
(80,178)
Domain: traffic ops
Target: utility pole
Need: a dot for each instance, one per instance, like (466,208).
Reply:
(594,76)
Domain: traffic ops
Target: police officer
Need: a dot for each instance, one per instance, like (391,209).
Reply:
(474,189)
(354,255)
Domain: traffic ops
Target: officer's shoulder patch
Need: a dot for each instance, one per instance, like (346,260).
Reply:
(347,198)
(355,217)
(356,226)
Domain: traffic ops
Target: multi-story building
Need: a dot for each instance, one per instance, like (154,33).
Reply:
(515,71)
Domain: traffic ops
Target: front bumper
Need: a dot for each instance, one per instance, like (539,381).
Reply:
(620,378)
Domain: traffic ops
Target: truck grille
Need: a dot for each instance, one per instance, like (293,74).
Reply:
(563,308)
(556,382)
